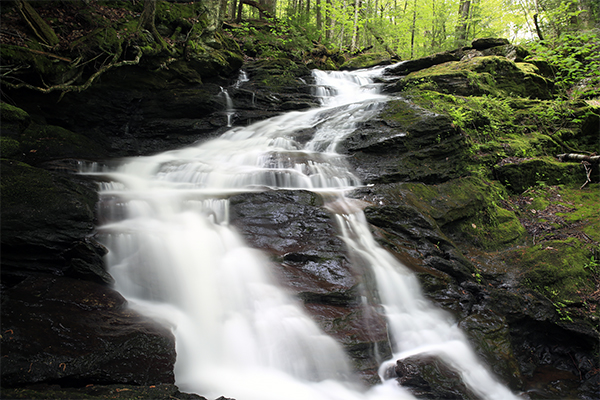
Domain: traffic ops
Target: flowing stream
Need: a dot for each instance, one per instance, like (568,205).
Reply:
(238,333)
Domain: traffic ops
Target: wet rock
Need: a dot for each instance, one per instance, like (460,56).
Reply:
(405,143)
(68,331)
(490,337)
(310,260)
(47,220)
(427,377)
(367,61)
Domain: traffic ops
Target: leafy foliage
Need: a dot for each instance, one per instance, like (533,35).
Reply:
(575,57)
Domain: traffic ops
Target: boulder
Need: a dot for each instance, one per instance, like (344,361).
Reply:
(427,377)
(476,76)
(406,143)
(486,43)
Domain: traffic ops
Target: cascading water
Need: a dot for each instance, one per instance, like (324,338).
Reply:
(174,256)
(229,111)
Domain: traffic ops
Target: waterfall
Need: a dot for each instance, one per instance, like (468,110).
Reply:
(174,256)
(229,111)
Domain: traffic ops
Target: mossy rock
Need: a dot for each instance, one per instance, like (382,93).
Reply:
(558,269)
(522,174)
(9,147)
(367,61)
(278,75)
(450,201)
(41,143)
(490,335)
(491,229)
(477,76)
(466,209)
(14,121)
(512,52)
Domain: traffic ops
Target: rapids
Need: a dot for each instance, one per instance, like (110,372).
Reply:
(164,219)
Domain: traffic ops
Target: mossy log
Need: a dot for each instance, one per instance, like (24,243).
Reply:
(41,29)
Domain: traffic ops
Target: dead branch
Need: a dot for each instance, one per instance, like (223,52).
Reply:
(578,157)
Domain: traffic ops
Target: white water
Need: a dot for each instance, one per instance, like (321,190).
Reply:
(238,334)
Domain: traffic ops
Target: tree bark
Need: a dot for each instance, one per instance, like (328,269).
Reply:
(147,21)
(464,9)
(537,26)
(412,34)
(354,42)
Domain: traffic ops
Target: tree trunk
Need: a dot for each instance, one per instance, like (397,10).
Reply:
(233,9)
(537,27)
(319,18)
(464,9)
(382,42)
(147,21)
(354,42)
(329,22)
(263,11)
(223,10)
(412,33)
(239,11)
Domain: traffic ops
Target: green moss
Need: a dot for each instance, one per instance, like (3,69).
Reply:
(557,269)
(25,186)
(491,229)
(402,113)
(8,147)
(51,68)
(467,209)
(523,174)
(491,75)
(10,113)
(366,61)
(583,208)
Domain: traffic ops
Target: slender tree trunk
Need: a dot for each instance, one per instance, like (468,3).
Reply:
(239,11)
(537,27)
(319,16)
(328,21)
(353,45)
(464,9)
(223,10)
(412,33)
(147,21)
(233,9)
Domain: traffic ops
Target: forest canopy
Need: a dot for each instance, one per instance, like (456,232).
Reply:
(414,28)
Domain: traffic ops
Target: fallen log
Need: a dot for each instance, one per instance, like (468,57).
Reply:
(578,157)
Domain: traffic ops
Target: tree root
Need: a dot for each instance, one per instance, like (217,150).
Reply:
(67,87)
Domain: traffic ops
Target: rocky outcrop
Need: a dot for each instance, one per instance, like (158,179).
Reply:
(436,205)
(74,333)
